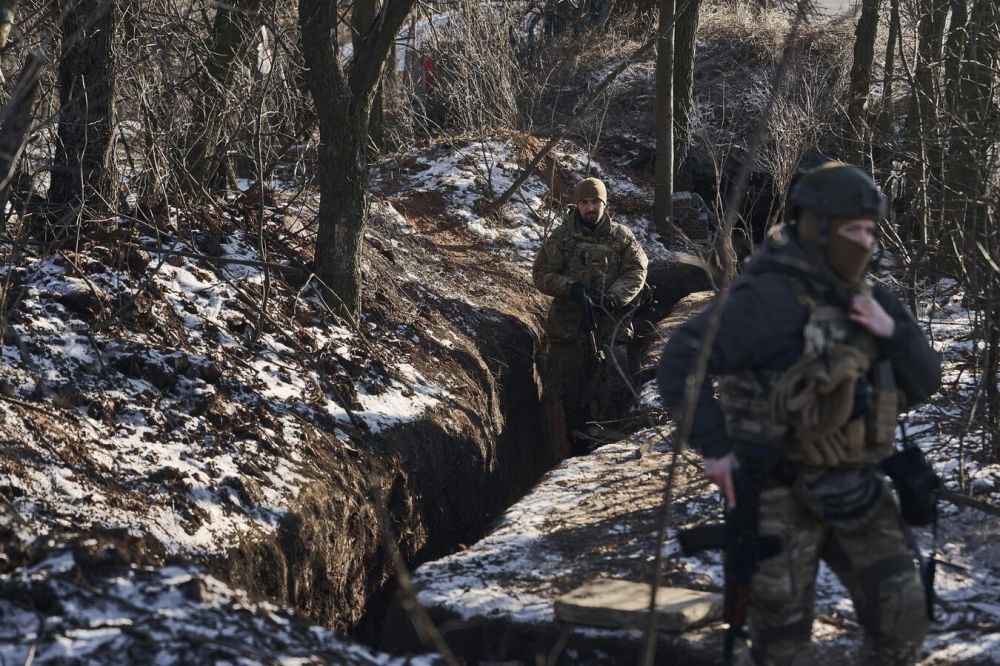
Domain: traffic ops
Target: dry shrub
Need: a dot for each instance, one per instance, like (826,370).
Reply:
(473,86)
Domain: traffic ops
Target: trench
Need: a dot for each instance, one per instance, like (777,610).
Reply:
(526,448)
(431,485)
(442,480)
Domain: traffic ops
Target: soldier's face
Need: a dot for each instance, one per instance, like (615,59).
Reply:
(860,231)
(590,209)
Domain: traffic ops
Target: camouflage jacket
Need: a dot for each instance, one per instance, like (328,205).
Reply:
(608,260)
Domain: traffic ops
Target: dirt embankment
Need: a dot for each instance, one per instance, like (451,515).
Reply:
(175,380)
(165,383)
(443,476)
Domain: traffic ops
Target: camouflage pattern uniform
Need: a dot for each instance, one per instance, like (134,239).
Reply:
(607,260)
(866,551)
(842,511)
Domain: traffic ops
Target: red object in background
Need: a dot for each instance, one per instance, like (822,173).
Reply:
(430,73)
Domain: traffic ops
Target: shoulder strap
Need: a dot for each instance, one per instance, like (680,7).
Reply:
(803,295)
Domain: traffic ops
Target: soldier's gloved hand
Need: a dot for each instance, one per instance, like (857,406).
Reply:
(610,302)
(578,292)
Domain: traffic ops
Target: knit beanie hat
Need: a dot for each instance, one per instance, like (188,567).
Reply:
(590,188)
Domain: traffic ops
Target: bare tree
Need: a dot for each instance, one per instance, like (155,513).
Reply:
(685,43)
(344,95)
(885,142)
(861,83)
(664,188)
(15,121)
(954,51)
(234,31)
(87,74)
(922,122)
(972,162)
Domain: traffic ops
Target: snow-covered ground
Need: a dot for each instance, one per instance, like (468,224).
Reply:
(470,173)
(187,403)
(85,602)
(144,389)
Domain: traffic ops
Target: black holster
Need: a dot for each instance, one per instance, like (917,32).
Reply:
(916,483)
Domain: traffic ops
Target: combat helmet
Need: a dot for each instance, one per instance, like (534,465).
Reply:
(827,197)
(837,190)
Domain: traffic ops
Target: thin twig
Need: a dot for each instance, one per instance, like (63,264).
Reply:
(697,377)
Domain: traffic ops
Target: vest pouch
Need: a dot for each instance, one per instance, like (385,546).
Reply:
(816,398)
(884,410)
(745,401)
(916,484)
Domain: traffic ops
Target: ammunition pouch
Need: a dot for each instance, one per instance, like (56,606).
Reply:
(917,485)
(816,397)
(884,410)
(745,401)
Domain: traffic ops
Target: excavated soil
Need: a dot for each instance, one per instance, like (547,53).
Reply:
(155,383)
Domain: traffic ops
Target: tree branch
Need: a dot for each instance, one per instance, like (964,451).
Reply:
(369,58)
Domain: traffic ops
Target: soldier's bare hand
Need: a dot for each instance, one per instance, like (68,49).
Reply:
(720,472)
(869,315)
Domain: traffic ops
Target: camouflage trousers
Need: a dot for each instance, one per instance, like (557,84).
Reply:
(864,546)
(585,390)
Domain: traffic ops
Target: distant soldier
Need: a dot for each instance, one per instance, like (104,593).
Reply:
(593,268)
(813,365)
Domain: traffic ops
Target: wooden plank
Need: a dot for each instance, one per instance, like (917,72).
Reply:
(608,602)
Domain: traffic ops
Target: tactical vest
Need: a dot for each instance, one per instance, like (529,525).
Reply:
(757,404)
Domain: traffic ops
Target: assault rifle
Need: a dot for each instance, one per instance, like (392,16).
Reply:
(743,547)
(588,324)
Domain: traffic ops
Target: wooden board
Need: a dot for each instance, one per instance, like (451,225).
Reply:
(608,602)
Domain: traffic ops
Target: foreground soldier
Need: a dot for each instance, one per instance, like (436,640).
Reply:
(593,267)
(814,364)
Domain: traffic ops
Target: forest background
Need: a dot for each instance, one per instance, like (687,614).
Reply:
(124,121)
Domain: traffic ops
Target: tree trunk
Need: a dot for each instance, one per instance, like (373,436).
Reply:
(861,83)
(81,173)
(17,122)
(361,22)
(954,50)
(343,102)
(685,41)
(886,147)
(973,133)
(343,207)
(971,165)
(664,187)
(233,34)
(922,123)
